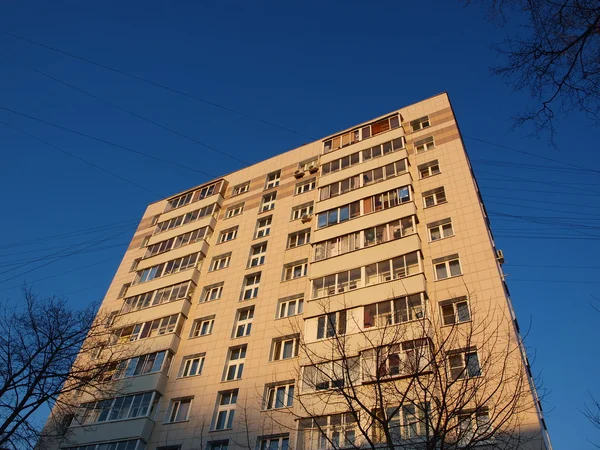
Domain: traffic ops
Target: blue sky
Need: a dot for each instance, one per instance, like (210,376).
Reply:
(312,67)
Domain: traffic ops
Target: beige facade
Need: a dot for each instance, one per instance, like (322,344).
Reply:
(238,271)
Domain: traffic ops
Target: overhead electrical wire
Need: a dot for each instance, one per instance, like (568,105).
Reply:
(155,84)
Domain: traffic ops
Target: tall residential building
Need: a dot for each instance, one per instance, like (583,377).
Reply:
(266,309)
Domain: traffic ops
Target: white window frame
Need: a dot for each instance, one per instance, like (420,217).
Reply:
(234,367)
(423,145)
(448,268)
(226,402)
(332,324)
(443,228)
(175,408)
(273,400)
(420,123)
(280,346)
(251,286)
(212,293)
(258,253)
(458,365)
(228,235)
(473,425)
(217,445)
(273,179)
(266,442)
(240,189)
(220,262)
(243,322)
(234,210)
(343,431)
(305,186)
(406,358)
(295,270)
(429,169)
(437,196)
(268,202)
(203,326)
(192,365)
(453,311)
(302,210)
(293,238)
(395,311)
(263,227)
(284,307)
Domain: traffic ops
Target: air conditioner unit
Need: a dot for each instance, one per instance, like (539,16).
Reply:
(298,173)
(306,218)
(313,168)
(500,256)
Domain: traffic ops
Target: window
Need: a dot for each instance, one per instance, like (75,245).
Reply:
(243,323)
(178,241)
(364,238)
(158,296)
(422,145)
(119,408)
(168,268)
(392,312)
(135,264)
(220,262)
(240,188)
(203,326)
(337,283)
(331,375)
(280,396)
(455,311)
(179,410)
(338,215)
(332,324)
(434,197)
(300,211)
(228,235)
(235,210)
(235,363)
(329,432)
(464,364)
(186,218)
(305,186)
(139,365)
(225,409)
(285,348)
(263,227)
(273,179)
(157,327)
(294,270)
(155,220)
(179,201)
(298,238)
(192,365)
(257,254)
(305,165)
(132,444)
(268,202)
(362,156)
(279,442)
(420,123)
(440,229)
(213,292)
(429,169)
(251,285)
(218,445)
(358,134)
(395,360)
(473,425)
(124,289)
(446,267)
(290,307)
(405,422)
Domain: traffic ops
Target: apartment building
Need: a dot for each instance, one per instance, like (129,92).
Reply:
(250,304)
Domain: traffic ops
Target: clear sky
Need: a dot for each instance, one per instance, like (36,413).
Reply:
(311,67)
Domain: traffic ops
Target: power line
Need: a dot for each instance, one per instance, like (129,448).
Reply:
(126,180)
(104,141)
(134,114)
(155,84)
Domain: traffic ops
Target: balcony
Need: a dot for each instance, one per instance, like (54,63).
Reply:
(111,431)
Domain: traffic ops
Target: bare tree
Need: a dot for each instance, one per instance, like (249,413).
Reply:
(555,57)
(47,358)
(391,376)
